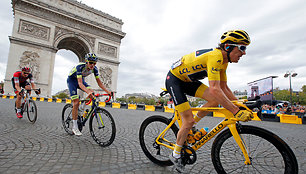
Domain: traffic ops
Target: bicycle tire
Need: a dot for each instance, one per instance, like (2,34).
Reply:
(268,152)
(149,131)
(31,109)
(67,118)
(103,135)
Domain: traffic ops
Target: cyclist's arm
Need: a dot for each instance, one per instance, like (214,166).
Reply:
(216,91)
(227,91)
(17,86)
(102,86)
(33,86)
(16,81)
(82,86)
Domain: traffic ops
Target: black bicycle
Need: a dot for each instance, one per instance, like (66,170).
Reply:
(28,105)
(101,123)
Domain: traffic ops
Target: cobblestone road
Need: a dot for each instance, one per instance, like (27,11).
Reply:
(44,147)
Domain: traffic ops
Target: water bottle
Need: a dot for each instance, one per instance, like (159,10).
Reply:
(190,137)
(85,112)
(201,133)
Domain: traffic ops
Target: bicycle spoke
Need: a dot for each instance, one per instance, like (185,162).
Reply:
(268,154)
(67,118)
(102,127)
(31,110)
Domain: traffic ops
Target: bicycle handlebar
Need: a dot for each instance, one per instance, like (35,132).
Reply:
(100,95)
(22,91)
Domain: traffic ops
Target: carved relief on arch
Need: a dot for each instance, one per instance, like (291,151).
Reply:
(61,32)
(107,50)
(34,30)
(106,76)
(31,59)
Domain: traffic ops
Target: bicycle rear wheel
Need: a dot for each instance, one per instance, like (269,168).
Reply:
(149,131)
(31,111)
(268,152)
(67,118)
(102,127)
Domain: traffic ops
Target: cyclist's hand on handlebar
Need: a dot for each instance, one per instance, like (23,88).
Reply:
(110,93)
(20,93)
(244,115)
(91,95)
(37,91)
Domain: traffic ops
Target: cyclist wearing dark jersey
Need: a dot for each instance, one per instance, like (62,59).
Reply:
(19,80)
(76,81)
(183,78)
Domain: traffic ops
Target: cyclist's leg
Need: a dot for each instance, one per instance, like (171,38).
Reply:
(203,92)
(72,86)
(176,89)
(75,106)
(18,100)
(187,123)
(18,97)
(28,87)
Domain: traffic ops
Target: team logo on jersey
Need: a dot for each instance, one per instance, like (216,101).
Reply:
(168,77)
(215,70)
(200,52)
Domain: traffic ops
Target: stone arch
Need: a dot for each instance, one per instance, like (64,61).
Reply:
(75,43)
(42,27)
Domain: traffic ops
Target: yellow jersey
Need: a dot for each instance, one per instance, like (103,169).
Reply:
(201,64)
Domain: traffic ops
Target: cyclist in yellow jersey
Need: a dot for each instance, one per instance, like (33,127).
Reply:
(183,78)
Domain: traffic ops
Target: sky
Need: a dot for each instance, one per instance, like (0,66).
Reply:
(159,32)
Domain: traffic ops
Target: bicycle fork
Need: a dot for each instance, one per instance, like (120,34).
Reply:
(100,122)
(239,140)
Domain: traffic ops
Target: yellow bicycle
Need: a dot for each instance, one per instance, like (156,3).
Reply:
(237,149)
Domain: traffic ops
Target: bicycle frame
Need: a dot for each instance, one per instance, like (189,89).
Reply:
(93,109)
(229,122)
(26,99)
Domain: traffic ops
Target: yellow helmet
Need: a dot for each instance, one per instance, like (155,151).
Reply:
(236,37)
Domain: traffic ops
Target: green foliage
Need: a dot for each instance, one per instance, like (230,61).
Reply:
(278,95)
(140,100)
(61,96)
(304,88)
(285,95)
(122,100)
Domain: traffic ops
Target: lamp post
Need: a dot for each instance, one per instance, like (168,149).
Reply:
(290,74)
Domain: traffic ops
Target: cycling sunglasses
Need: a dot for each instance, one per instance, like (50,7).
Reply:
(242,48)
(90,62)
(26,73)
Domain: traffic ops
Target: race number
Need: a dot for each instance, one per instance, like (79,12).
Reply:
(176,64)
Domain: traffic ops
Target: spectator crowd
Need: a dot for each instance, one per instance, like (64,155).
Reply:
(295,109)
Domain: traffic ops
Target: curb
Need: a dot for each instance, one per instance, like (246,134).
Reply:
(291,119)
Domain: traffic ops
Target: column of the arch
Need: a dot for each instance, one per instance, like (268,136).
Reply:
(47,71)
(11,68)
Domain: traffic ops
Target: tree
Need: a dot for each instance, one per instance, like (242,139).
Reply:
(304,88)
(61,95)
(285,95)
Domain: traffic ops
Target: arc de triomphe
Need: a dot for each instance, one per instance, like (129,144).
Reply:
(42,27)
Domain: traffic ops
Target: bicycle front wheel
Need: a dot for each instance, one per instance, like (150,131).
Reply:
(268,152)
(31,111)
(102,127)
(67,118)
(149,131)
